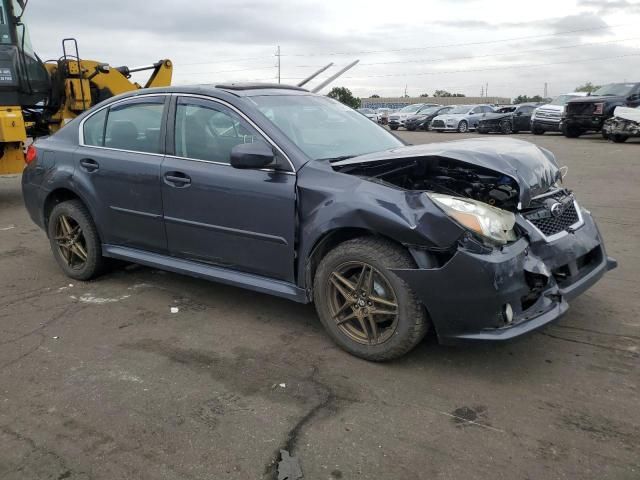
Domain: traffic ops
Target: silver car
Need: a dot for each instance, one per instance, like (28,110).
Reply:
(461,119)
(370,113)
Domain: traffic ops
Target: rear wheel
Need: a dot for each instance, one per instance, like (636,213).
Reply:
(537,131)
(366,309)
(74,240)
(393,127)
(463,126)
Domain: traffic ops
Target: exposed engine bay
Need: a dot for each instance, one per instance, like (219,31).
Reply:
(442,175)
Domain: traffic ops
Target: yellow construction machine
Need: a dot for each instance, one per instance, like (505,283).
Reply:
(37,98)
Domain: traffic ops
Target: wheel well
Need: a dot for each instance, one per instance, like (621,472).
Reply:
(331,240)
(54,198)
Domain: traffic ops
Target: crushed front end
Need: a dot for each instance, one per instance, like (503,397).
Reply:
(489,293)
(516,278)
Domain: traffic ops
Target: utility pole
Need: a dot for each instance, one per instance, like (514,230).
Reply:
(545,90)
(481,91)
(486,90)
(278,55)
(405,90)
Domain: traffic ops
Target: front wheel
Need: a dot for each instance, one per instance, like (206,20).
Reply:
(506,127)
(74,240)
(463,126)
(617,138)
(537,131)
(366,309)
(393,127)
(572,131)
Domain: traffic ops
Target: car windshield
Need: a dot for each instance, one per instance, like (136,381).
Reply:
(324,128)
(429,110)
(460,109)
(411,108)
(562,99)
(506,110)
(617,89)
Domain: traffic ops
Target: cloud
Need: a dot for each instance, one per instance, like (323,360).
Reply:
(224,40)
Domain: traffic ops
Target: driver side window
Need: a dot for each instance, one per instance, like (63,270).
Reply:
(207,131)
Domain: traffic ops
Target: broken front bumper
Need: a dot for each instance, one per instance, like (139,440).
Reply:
(467,297)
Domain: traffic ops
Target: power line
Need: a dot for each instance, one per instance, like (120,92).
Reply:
(486,42)
(502,67)
(488,69)
(421,60)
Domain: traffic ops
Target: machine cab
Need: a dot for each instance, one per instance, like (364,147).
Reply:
(24,80)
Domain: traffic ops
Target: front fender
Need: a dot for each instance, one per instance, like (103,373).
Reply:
(329,201)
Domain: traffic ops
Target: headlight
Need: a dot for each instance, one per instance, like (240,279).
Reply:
(485,220)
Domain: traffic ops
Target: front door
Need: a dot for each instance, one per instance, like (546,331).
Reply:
(117,166)
(214,213)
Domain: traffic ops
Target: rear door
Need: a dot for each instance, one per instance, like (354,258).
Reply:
(214,213)
(117,167)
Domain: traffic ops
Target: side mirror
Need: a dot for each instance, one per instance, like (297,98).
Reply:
(252,155)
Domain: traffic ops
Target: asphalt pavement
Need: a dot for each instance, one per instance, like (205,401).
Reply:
(106,380)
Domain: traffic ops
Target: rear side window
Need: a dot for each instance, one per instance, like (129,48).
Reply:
(135,125)
(94,129)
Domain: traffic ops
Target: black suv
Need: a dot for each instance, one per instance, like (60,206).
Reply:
(281,191)
(584,114)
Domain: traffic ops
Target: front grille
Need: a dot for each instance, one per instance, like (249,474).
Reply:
(548,223)
(580,108)
(437,124)
(548,115)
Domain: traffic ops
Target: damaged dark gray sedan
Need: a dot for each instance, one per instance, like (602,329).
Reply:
(284,192)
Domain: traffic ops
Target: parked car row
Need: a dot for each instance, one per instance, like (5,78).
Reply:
(573,114)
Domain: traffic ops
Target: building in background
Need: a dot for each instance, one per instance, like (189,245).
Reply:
(399,102)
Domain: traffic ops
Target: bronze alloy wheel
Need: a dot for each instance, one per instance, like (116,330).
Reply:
(71,242)
(362,303)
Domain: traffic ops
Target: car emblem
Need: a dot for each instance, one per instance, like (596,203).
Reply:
(557,209)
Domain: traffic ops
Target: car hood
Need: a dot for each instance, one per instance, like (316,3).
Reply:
(496,116)
(592,99)
(533,168)
(452,116)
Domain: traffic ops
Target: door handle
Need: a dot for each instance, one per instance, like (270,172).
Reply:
(177,179)
(89,164)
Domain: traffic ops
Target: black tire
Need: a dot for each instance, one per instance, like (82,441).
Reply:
(76,211)
(617,138)
(393,127)
(506,127)
(411,324)
(411,129)
(537,131)
(572,131)
(463,126)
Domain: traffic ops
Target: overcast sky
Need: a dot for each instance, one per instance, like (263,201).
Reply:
(457,45)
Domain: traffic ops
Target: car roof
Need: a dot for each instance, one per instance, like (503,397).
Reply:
(236,89)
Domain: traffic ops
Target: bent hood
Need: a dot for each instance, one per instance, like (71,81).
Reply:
(533,168)
(496,116)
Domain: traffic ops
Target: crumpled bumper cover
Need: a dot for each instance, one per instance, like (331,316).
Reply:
(466,297)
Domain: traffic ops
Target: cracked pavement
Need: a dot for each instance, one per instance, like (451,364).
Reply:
(100,380)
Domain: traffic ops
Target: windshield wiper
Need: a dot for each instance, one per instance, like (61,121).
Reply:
(337,159)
